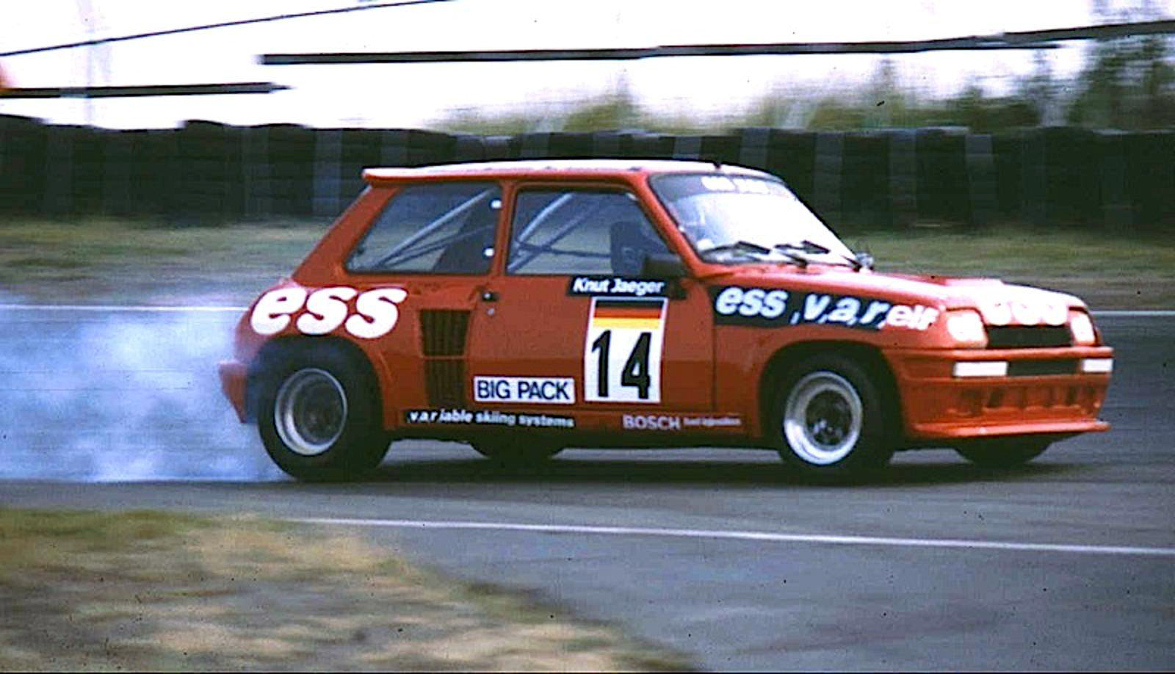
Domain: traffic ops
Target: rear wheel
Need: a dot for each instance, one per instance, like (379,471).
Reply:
(828,419)
(1002,452)
(319,416)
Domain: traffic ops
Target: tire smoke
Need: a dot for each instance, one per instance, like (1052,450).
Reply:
(93,395)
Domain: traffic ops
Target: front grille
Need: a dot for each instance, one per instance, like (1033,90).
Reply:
(1027,337)
(1041,368)
(1009,398)
(442,331)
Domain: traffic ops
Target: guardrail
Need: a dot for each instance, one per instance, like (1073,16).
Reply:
(209,172)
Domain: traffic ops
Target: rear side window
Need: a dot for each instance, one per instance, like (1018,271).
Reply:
(580,232)
(439,228)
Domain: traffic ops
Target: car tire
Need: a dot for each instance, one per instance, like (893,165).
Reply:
(319,414)
(515,452)
(829,421)
(1002,452)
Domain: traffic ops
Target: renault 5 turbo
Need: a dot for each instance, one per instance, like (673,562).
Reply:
(528,307)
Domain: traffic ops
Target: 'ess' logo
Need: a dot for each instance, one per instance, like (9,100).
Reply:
(375,311)
(762,307)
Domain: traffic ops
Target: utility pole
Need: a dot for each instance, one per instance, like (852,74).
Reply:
(96,55)
(86,10)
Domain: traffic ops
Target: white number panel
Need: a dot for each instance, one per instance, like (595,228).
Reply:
(622,353)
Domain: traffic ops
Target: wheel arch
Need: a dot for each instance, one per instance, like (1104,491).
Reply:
(272,353)
(866,355)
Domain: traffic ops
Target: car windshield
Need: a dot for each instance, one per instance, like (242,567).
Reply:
(738,219)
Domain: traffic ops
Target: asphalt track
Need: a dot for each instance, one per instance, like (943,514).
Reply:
(1065,564)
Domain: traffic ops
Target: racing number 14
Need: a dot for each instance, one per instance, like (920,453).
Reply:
(636,368)
(622,354)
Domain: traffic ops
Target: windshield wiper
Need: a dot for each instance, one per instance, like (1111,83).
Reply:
(804,246)
(738,246)
(750,247)
(807,246)
(796,251)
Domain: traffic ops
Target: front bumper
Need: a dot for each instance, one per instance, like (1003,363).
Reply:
(233,376)
(1041,391)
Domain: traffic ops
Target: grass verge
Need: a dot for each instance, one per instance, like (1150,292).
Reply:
(120,261)
(156,591)
(117,261)
(1108,271)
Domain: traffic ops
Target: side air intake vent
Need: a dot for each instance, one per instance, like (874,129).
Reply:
(442,336)
(444,379)
(443,331)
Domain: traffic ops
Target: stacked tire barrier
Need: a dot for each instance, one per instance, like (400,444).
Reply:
(206,172)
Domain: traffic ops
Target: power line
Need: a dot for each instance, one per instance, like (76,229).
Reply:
(210,26)
(144,90)
(1042,39)
(630,54)
(1098,32)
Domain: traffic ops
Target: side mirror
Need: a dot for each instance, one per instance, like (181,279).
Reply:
(662,265)
(864,260)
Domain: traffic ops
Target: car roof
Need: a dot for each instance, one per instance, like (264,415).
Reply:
(553,168)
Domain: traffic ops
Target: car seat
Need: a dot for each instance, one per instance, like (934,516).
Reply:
(631,243)
(466,254)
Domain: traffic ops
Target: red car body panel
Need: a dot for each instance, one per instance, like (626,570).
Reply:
(711,370)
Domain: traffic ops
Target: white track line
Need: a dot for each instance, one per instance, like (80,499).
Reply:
(118,307)
(748,536)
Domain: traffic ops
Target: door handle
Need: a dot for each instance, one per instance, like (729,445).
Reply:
(489,296)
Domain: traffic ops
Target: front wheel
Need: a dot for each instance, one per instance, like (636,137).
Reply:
(828,419)
(318,415)
(1002,452)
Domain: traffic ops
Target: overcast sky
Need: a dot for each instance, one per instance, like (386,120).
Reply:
(413,95)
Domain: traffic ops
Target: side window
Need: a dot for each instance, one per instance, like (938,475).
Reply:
(580,232)
(441,229)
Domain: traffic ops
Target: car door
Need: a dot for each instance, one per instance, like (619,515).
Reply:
(435,241)
(569,322)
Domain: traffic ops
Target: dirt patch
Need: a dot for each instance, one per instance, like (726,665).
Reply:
(152,591)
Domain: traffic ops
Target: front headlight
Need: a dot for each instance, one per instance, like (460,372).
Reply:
(966,328)
(1081,327)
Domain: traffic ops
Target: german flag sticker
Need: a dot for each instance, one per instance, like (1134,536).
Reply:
(637,314)
(622,352)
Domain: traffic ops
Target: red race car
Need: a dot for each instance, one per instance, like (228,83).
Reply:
(525,307)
